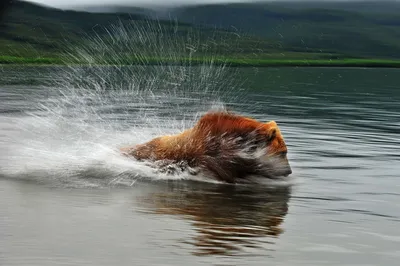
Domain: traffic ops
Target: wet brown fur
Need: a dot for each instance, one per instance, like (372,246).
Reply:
(213,143)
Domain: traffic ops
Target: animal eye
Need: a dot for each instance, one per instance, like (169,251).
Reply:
(283,154)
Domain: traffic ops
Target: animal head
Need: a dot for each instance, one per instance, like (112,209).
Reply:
(243,146)
(263,151)
(273,159)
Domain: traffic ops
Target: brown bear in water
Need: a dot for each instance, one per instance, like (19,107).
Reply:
(227,146)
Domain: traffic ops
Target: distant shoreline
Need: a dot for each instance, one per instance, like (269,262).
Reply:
(229,62)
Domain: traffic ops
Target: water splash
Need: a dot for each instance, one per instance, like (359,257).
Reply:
(101,101)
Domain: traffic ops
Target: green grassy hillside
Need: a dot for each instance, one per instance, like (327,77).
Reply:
(351,28)
(242,34)
(41,34)
(313,28)
(29,29)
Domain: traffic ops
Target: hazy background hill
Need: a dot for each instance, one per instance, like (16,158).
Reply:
(363,6)
(347,29)
(340,28)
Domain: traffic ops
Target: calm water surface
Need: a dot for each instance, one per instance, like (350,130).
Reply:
(67,199)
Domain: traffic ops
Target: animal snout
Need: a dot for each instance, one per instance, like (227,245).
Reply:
(287,171)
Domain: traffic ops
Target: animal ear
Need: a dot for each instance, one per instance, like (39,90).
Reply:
(271,124)
(271,129)
(271,134)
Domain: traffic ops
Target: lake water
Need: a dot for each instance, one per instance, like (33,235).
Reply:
(68,198)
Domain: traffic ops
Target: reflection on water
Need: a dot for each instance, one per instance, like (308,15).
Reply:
(226,218)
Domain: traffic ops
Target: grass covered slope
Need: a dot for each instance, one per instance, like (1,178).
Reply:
(231,62)
(237,34)
(317,27)
(30,30)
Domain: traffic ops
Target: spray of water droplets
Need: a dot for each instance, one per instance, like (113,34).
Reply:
(118,88)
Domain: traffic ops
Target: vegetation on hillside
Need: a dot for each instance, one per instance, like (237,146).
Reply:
(317,28)
(236,34)
(231,62)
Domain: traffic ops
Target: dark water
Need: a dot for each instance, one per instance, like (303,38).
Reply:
(67,199)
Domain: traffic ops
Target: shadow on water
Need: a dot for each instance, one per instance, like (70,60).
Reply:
(227,219)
